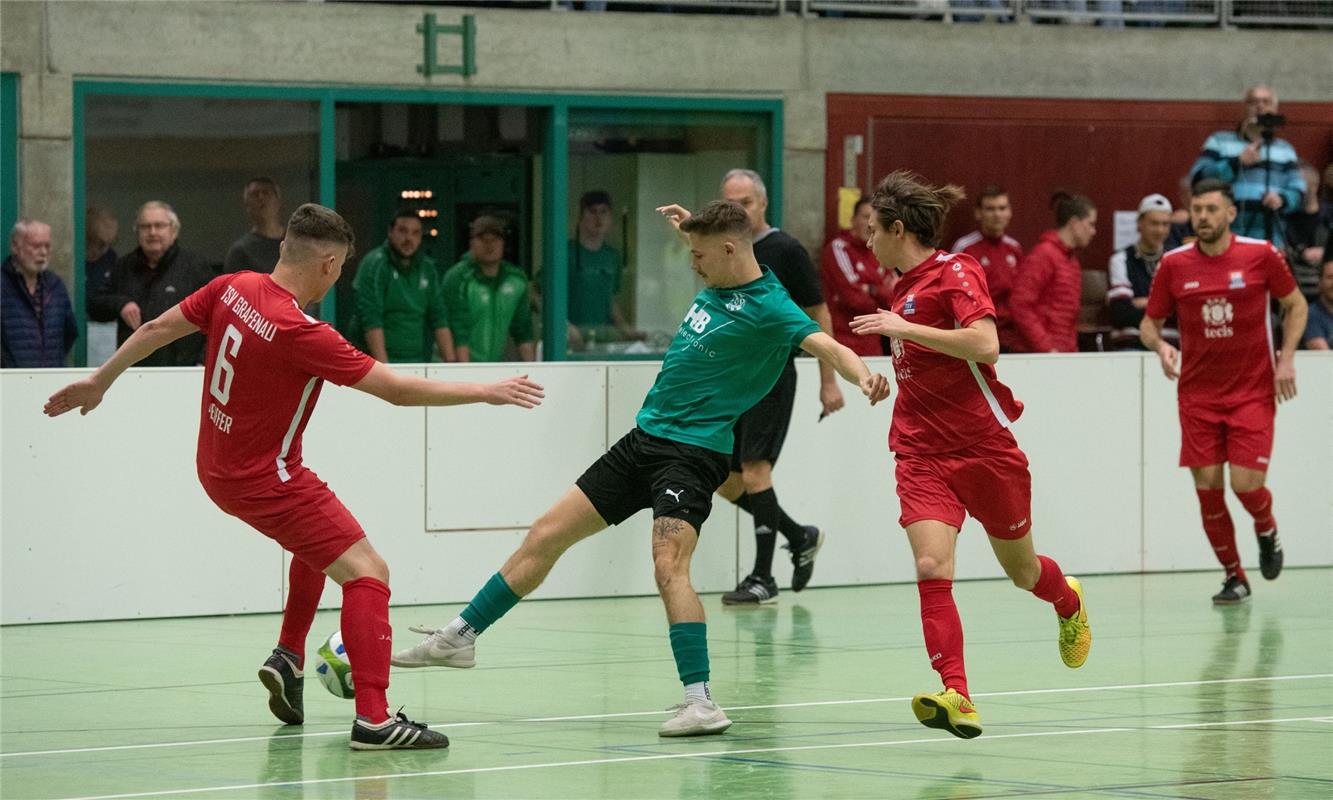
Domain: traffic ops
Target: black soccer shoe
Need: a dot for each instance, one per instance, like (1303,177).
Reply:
(752,591)
(396,733)
(803,559)
(285,685)
(1235,590)
(1270,555)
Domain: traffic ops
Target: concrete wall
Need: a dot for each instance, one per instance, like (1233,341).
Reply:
(102,516)
(800,60)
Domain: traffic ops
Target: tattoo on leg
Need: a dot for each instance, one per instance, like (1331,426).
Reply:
(666,527)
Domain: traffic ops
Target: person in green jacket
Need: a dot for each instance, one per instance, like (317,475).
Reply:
(399,304)
(486,298)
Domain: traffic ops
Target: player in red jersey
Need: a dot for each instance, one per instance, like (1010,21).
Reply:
(950,436)
(1218,288)
(266,364)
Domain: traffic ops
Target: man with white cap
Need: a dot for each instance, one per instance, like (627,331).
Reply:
(1131,271)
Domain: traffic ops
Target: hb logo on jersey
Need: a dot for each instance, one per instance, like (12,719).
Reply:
(698,319)
(1217,316)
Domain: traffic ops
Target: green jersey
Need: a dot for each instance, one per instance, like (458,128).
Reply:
(727,354)
(402,297)
(594,279)
(484,312)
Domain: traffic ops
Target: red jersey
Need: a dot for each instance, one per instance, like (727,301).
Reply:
(1226,330)
(853,284)
(1047,293)
(266,362)
(945,403)
(999,257)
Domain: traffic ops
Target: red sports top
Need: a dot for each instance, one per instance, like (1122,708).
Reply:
(1226,330)
(1000,258)
(944,403)
(1046,297)
(266,363)
(853,284)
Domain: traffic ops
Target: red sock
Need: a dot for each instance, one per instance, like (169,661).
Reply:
(369,641)
(304,587)
(944,633)
(1054,589)
(1220,530)
(1260,505)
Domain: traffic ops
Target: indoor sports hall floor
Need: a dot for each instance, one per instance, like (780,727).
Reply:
(1179,699)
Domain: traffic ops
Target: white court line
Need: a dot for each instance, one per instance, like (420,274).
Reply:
(621,714)
(672,756)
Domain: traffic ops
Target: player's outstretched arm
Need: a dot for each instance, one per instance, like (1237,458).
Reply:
(848,364)
(1150,333)
(1295,313)
(409,390)
(149,337)
(977,342)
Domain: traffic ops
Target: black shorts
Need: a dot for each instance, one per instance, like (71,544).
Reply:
(761,431)
(643,471)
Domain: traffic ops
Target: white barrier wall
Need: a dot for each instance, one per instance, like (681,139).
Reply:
(101,517)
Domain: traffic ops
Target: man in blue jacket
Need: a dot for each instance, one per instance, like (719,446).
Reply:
(37,326)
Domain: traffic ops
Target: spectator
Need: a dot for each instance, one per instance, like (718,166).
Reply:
(853,281)
(37,326)
(594,274)
(1319,328)
(1182,232)
(487,298)
(258,250)
(150,279)
(1260,167)
(399,302)
(999,255)
(1047,290)
(1130,272)
(100,229)
(1307,235)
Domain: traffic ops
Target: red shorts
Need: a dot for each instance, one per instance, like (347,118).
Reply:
(1240,435)
(988,480)
(303,515)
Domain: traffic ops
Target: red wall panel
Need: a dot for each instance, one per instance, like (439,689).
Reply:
(1111,150)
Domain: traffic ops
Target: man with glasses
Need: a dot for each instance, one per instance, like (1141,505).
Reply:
(150,279)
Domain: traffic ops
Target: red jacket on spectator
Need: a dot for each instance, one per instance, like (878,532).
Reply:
(999,258)
(1045,298)
(854,284)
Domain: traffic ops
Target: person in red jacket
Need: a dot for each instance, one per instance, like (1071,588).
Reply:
(1047,289)
(999,255)
(853,281)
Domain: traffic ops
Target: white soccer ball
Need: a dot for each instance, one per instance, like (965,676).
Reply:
(334,670)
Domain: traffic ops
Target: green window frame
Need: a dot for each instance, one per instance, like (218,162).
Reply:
(9,150)
(764,113)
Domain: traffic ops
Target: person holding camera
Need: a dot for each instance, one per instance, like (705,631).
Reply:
(1261,168)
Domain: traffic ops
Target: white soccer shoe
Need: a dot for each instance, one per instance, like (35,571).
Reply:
(437,650)
(695,718)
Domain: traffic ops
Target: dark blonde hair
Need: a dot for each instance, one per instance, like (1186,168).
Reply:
(315,223)
(719,217)
(905,197)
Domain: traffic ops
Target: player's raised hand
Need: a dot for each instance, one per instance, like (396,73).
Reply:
(517,391)
(882,322)
(875,387)
(1284,379)
(674,214)
(1170,358)
(84,395)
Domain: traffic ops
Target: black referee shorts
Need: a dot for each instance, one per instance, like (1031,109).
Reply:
(644,471)
(761,431)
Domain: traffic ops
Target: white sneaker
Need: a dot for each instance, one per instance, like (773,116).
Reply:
(695,718)
(437,650)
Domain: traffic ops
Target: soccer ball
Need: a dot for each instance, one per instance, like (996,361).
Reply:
(334,670)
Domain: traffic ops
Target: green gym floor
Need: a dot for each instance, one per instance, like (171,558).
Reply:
(1179,699)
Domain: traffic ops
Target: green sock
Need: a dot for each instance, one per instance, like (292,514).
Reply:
(689,644)
(492,602)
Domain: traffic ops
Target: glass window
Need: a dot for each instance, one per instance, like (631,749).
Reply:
(629,276)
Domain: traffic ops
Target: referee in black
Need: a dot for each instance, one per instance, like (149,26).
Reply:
(761,431)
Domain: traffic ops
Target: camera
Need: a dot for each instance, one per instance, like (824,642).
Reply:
(1268,125)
